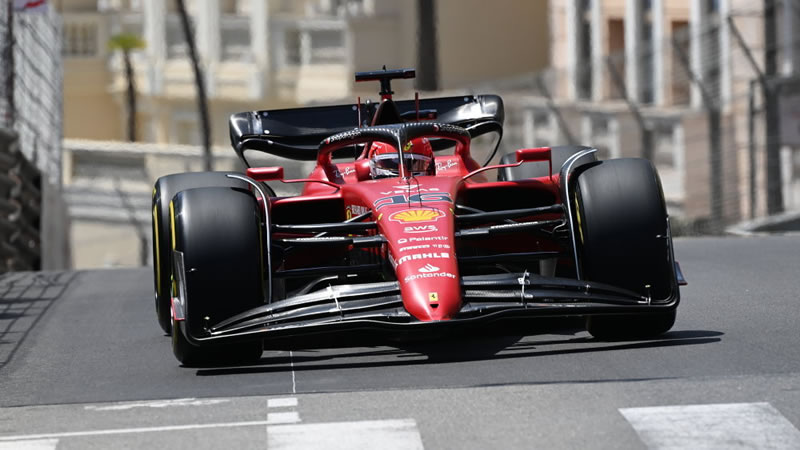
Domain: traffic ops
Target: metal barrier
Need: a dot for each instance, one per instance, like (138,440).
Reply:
(20,208)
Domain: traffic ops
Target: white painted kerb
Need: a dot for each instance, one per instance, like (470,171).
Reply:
(717,426)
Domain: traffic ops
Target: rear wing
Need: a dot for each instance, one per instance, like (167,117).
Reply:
(296,133)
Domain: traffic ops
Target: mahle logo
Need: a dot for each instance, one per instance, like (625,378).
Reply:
(428,267)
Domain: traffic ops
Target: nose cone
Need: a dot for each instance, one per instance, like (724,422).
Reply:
(417,221)
(427,270)
(432,299)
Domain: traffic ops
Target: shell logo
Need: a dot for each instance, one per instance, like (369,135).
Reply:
(417,215)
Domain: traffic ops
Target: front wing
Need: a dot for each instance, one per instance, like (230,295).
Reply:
(378,307)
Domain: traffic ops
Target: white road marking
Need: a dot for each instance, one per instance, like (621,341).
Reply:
(401,434)
(716,426)
(283,417)
(281,402)
(27,437)
(121,406)
(38,444)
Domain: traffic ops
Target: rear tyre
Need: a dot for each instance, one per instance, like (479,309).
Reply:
(218,230)
(621,222)
(165,188)
(559,154)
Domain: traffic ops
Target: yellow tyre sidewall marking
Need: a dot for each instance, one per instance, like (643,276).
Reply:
(578,217)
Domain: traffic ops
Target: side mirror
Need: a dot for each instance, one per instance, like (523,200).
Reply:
(265,173)
(533,154)
(536,154)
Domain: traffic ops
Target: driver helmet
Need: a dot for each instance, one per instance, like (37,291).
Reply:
(418,155)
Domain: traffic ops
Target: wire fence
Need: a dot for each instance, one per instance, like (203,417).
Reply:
(35,76)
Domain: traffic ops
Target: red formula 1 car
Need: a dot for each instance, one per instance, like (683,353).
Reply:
(399,232)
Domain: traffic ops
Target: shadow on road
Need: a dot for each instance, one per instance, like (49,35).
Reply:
(493,346)
(24,299)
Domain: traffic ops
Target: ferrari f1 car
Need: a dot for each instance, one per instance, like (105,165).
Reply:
(400,232)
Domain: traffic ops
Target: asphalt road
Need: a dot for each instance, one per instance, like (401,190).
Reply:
(74,345)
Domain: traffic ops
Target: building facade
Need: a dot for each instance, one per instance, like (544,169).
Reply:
(652,78)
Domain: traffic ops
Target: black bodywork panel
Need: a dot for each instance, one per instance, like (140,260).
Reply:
(296,133)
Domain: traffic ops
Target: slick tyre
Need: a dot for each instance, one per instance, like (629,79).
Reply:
(559,154)
(218,232)
(192,356)
(630,326)
(621,226)
(165,188)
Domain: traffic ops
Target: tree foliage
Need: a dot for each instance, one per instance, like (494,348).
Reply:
(126,42)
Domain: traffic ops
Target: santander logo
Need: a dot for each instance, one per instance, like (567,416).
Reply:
(428,268)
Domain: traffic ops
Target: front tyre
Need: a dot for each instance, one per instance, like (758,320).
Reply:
(621,226)
(218,231)
(190,355)
(164,190)
(630,326)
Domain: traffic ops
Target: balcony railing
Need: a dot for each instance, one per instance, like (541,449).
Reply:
(82,34)
(309,42)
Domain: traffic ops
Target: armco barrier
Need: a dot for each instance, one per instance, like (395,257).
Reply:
(20,208)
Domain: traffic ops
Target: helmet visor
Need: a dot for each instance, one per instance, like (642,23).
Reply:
(415,164)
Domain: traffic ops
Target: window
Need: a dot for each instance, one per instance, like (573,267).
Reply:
(680,85)
(616,50)
(80,39)
(584,66)
(647,54)
(711,52)
(176,42)
(235,38)
(327,47)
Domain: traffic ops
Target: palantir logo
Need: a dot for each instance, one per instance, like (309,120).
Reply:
(428,268)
